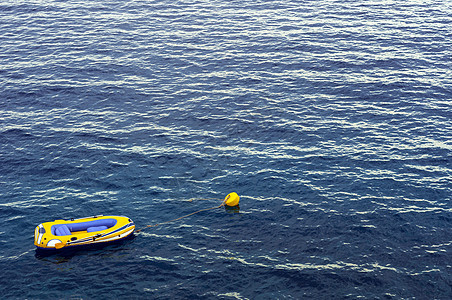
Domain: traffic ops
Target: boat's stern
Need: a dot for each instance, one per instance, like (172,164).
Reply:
(44,238)
(39,232)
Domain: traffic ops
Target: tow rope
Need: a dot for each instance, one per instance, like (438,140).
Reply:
(231,199)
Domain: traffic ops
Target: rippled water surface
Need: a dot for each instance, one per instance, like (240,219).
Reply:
(331,119)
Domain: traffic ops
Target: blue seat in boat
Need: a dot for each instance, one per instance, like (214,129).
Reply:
(98,223)
(98,228)
(62,230)
(89,226)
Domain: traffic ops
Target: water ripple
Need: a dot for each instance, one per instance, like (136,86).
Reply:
(331,119)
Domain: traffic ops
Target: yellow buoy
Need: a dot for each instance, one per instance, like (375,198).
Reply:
(232,199)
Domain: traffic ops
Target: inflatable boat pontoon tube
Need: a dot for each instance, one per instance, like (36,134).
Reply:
(82,232)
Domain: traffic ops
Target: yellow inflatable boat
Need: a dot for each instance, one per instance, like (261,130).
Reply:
(62,234)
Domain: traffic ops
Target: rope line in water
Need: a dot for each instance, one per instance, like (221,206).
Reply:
(190,214)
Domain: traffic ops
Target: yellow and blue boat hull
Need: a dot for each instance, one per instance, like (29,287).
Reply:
(64,234)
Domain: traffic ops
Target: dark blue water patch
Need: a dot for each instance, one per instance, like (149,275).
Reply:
(332,128)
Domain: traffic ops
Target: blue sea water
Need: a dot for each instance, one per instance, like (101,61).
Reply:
(331,119)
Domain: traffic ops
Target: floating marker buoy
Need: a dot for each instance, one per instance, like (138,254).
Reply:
(232,199)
